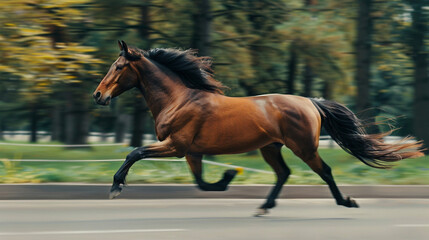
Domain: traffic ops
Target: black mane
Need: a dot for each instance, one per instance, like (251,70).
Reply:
(195,72)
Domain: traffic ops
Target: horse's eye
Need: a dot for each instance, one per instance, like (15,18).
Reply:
(119,68)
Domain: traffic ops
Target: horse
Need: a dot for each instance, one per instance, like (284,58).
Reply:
(193,117)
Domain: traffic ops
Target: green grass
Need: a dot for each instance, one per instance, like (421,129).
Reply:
(346,169)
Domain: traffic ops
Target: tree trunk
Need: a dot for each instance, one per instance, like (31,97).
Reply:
(63,126)
(327,90)
(363,66)
(137,134)
(2,127)
(56,123)
(121,127)
(62,133)
(77,117)
(144,28)
(308,80)
(363,55)
(33,125)
(421,79)
(139,112)
(202,27)
(293,61)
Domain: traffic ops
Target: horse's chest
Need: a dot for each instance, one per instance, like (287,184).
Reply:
(179,122)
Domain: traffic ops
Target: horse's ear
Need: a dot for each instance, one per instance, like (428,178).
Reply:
(124,47)
(133,55)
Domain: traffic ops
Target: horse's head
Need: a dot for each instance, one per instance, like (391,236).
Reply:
(121,77)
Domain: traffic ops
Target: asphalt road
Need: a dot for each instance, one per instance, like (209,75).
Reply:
(68,191)
(210,219)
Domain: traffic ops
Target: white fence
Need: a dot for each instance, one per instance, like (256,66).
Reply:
(325,142)
(96,137)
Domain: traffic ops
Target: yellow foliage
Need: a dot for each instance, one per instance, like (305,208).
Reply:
(2,67)
(385,68)
(31,31)
(79,49)
(26,48)
(69,77)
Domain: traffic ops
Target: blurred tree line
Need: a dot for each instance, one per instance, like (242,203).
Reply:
(368,54)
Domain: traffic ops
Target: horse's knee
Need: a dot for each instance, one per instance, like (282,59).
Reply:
(287,172)
(135,155)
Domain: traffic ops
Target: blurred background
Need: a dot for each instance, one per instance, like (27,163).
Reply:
(366,54)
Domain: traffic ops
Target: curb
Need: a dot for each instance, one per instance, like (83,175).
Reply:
(176,191)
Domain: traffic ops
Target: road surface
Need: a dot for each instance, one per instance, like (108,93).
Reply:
(212,219)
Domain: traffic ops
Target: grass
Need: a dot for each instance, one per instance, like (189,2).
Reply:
(346,169)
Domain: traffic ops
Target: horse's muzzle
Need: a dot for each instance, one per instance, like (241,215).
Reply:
(100,100)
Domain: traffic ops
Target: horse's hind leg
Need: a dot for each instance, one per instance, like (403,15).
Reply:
(195,163)
(324,171)
(272,155)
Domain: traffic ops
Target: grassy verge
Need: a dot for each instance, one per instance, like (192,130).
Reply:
(346,169)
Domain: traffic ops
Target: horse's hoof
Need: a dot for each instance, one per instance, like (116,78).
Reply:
(352,203)
(114,192)
(261,212)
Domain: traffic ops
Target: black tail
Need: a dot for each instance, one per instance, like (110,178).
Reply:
(347,130)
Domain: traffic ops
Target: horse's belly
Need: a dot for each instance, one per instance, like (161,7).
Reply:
(230,148)
(237,139)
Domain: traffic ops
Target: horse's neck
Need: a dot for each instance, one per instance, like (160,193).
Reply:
(158,88)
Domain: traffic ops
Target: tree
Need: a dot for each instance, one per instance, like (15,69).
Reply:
(291,69)
(419,29)
(50,55)
(140,109)
(315,35)
(202,21)
(43,56)
(363,47)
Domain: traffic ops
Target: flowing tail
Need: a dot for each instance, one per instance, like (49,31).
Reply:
(347,130)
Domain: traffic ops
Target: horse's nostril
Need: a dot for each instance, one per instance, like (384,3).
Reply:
(97,95)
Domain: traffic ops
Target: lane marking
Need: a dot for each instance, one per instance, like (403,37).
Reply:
(90,232)
(412,225)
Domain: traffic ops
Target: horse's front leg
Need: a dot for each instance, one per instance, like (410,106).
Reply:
(195,163)
(160,149)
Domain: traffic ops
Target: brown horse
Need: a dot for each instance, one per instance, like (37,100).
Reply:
(193,118)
